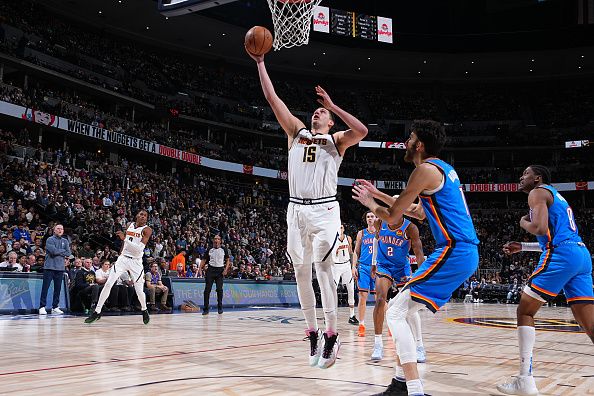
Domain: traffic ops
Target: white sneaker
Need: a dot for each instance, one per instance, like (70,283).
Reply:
(315,344)
(57,311)
(523,385)
(329,351)
(421,356)
(42,311)
(378,353)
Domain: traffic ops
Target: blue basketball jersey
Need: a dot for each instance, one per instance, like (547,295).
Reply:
(446,209)
(393,246)
(366,247)
(562,227)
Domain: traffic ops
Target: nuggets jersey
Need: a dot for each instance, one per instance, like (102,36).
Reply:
(314,161)
(341,252)
(133,234)
(393,245)
(366,247)
(562,227)
(446,209)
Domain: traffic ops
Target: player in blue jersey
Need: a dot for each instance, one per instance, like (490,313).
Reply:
(390,265)
(362,266)
(441,200)
(565,263)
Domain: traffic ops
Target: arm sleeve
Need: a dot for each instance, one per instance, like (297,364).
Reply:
(374,254)
(531,247)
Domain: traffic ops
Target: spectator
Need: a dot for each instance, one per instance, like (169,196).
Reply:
(57,250)
(101,276)
(179,259)
(85,287)
(156,288)
(11,264)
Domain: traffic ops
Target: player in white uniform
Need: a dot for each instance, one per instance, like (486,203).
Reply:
(135,239)
(342,270)
(313,215)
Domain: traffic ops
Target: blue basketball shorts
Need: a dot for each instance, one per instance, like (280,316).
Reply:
(568,267)
(398,273)
(364,281)
(442,273)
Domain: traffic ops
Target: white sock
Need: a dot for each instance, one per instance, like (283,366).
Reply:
(399,375)
(362,322)
(415,387)
(351,312)
(378,340)
(526,338)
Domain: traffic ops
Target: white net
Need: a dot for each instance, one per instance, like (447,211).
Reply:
(292,21)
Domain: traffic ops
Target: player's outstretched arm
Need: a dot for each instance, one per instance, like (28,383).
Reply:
(357,130)
(424,177)
(414,210)
(539,223)
(290,124)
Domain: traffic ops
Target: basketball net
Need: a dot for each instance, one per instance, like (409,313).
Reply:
(292,21)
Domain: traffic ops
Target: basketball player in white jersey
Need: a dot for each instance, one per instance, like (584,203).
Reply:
(313,215)
(342,270)
(135,239)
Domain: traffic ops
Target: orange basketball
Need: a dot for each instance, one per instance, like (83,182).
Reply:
(258,40)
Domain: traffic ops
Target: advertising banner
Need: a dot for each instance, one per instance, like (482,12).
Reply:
(321,19)
(21,291)
(237,293)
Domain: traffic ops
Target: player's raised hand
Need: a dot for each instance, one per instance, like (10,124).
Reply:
(257,58)
(363,194)
(369,185)
(512,247)
(324,98)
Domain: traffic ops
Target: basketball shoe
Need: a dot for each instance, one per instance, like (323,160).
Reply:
(523,385)
(95,316)
(421,356)
(361,330)
(396,388)
(329,352)
(315,345)
(146,318)
(378,353)
(353,320)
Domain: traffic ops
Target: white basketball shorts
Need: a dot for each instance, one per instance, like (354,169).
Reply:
(312,232)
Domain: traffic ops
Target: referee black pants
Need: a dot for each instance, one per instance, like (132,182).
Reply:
(214,274)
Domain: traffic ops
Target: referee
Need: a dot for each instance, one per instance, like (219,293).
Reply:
(218,261)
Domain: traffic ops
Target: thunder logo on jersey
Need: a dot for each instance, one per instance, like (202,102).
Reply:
(393,247)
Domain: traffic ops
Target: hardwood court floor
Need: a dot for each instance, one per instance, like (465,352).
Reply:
(261,352)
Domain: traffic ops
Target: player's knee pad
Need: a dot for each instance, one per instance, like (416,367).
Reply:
(528,291)
(398,308)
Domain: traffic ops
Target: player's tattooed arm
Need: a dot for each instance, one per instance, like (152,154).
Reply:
(424,177)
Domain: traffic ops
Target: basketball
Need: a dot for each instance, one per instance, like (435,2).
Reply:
(258,40)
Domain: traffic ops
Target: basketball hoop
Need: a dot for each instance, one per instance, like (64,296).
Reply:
(292,21)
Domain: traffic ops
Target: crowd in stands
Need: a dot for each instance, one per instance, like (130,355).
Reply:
(98,198)
(94,199)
